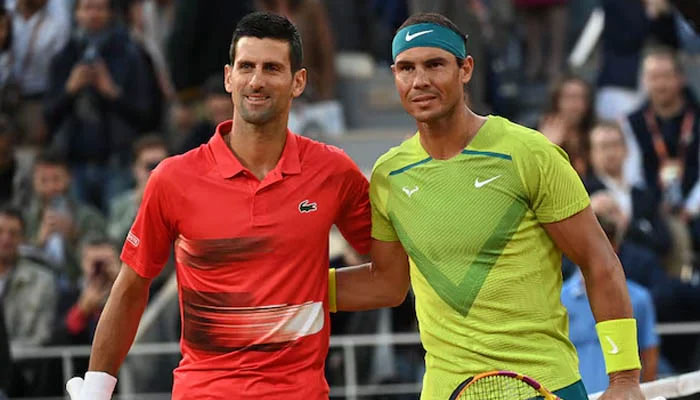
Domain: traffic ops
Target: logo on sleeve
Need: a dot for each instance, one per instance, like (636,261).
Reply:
(306,207)
(133,239)
(409,192)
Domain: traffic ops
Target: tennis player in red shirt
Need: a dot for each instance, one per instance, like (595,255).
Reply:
(249,214)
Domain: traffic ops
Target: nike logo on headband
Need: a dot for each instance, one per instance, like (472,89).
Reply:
(410,37)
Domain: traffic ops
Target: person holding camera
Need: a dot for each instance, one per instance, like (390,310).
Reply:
(56,222)
(100,98)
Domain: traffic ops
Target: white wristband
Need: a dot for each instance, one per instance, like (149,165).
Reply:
(98,386)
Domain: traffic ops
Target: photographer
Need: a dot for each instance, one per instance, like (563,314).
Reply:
(99,264)
(100,97)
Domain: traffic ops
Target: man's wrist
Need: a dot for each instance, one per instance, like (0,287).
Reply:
(625,377)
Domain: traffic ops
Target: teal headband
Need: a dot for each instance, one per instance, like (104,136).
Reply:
(428,35)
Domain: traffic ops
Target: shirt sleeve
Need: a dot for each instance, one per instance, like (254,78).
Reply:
(148,243)
(382,229)
(555,190)
(354,219)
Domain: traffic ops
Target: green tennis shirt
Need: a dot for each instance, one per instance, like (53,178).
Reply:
(485,274)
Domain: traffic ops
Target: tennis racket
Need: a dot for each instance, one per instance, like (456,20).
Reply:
(501,385)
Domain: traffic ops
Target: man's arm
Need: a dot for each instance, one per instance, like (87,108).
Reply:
(650,361)
(382,283)
(119,321)
(581,238)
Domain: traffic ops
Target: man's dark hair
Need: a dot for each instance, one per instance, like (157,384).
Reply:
(13,212)
(8,40)
(263,25)
(50,158)
(609,228)
(438,19)
(148,142)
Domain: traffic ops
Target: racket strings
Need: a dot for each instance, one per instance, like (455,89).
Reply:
(499,387)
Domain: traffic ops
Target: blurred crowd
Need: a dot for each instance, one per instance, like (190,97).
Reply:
(95,93)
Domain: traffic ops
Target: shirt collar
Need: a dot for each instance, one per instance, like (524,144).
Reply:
(229,165)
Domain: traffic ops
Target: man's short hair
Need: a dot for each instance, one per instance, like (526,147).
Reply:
(50,159)
(95,239)
(264,25)
(611,125)
(667,53)
(148,142)
(13,212)
(438,19)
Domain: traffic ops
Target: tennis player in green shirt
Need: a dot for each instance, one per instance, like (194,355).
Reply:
(474,212)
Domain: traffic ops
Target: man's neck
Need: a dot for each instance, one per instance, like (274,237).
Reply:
(615,176)
(448,136)
(670,109)
(258,147)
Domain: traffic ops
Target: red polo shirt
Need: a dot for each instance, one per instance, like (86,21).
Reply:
(252,263)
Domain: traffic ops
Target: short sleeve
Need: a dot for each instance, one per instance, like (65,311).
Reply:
(555,190)
(354,219)
(148,243)
(382,229)
(645,314)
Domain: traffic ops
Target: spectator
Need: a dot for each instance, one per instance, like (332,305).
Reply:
(98,102)
(148,152)
(544,18)
(569,119)
(217,108)
(664,140)
(38,33)
(201,31)
(55,221)
(317,111)
(630,24)
(99,265)
(28,290)
(645,225)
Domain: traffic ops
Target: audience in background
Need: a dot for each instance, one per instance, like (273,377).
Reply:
(5,360)
(217,108)
(631,24)
(148,152)
(638,204)
(98,102)
(38,33)
(56,221)
(569,119)
(544,19)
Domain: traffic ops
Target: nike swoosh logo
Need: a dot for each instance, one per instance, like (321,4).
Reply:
(614,349)
(410,37)
(478,184)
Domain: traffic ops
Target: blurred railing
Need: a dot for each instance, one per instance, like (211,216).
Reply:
(351,390)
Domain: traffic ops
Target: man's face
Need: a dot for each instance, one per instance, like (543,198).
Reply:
(50,181)
(260,80)
(93,15)
(661,79)
(100,256)
(608,150)
(146,161)
(430,82)
(10,237)
(32,4)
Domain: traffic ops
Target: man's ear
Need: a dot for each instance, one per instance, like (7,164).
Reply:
(299,82)
(466,70)
(228,84)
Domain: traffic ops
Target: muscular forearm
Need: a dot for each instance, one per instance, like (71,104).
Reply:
(365,287)
(607,289)
(650,360)
(117,327)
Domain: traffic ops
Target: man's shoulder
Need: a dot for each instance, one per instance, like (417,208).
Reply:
(511,138)
(332,158)
(399,157)
(28,271)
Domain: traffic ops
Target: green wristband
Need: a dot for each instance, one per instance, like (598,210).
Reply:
(618,341)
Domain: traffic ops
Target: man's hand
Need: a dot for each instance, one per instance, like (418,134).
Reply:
(81,75)
(95,386)
(54,221)
(104,82)
(93,297)
(624,385)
